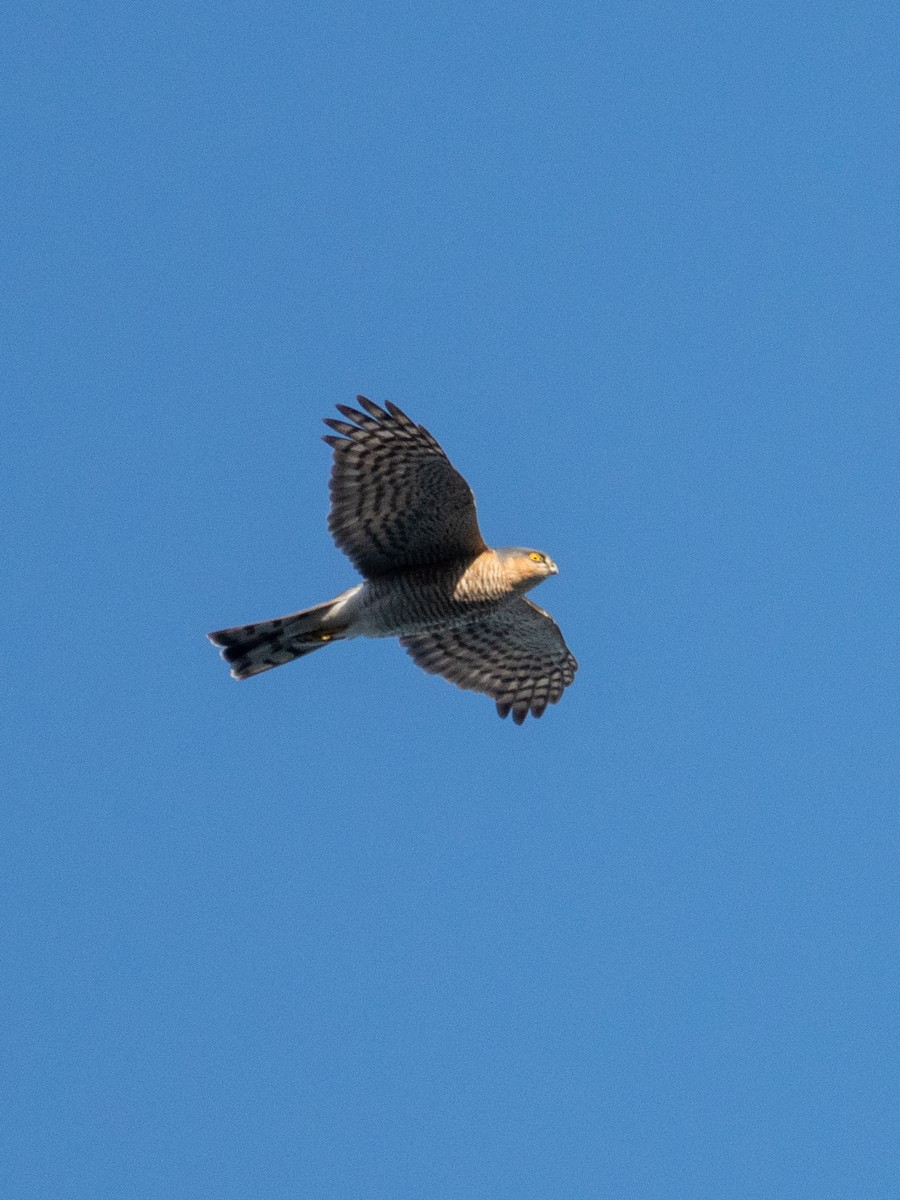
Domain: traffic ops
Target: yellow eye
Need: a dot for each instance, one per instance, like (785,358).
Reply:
(535,557)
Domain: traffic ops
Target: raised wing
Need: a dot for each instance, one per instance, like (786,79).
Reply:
(396,501)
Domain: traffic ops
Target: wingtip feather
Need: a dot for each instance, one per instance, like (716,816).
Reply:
(371,408)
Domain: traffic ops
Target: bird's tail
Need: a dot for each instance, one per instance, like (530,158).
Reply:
(251,649)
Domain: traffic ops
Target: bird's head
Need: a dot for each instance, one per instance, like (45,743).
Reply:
(526,567)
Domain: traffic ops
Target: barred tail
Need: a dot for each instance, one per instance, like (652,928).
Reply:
(252,649)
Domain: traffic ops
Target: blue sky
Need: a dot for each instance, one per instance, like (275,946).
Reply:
(338,931)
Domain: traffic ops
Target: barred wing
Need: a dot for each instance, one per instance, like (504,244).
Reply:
(396,500)
(516,655)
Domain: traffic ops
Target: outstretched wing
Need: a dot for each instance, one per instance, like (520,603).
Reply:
(516,655)
(396,501)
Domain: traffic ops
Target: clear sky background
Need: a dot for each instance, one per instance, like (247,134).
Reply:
(339,931)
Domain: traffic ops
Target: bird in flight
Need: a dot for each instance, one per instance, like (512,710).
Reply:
(406,520)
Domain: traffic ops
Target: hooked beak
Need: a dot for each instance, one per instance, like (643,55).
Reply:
(554,569)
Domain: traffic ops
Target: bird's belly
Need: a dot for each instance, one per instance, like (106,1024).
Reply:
(405,605)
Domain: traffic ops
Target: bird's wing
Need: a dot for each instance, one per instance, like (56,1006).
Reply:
(515,654)
(396,501)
